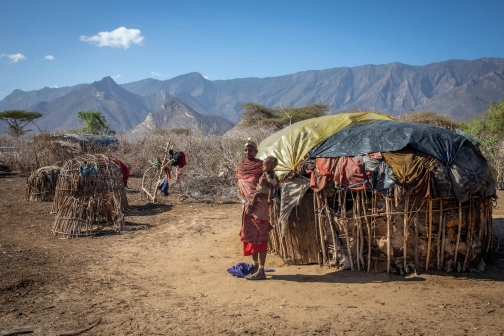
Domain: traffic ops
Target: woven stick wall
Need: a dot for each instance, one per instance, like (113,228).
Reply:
(41,184)
(108,179)
(372,232)
(87,216)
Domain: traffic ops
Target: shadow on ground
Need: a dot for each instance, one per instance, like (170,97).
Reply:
(148,209)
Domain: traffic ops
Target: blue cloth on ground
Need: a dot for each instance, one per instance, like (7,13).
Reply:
(164,187)
(241,270)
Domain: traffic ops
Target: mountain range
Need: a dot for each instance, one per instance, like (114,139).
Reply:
(456,88)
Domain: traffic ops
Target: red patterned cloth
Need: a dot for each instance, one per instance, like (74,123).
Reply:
(255,226)
(125,170)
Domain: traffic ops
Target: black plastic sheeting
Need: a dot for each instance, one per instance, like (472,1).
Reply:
(470,174)
(389,136)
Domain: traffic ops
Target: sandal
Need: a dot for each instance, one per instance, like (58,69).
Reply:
(256,277)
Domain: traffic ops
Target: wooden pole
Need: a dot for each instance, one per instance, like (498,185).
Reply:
(439,235)
(415,246)
(387,209)
(316,225)
(405,234)
(357,231)
(361,230)
(429,239)
(368,230)
(345,226)
(458,234)
(322,231)
(469,237)
(333,231)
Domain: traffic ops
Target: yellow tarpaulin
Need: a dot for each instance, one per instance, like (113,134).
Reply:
(291,144)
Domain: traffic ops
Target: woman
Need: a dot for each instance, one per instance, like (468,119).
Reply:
(255,217)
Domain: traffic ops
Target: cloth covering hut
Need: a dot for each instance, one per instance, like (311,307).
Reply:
(365,192)
(90,196)
(41,184)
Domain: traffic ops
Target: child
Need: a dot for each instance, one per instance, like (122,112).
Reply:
(267,182)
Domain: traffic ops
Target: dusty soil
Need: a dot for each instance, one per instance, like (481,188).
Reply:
(166,275)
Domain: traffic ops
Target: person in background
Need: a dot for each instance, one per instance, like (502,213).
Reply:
(255,218)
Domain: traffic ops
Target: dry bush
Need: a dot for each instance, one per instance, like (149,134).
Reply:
(31,154)
(210,168)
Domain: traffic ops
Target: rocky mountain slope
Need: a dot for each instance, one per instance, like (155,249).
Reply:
(175,114)
(21,100)
(122,109)
(456,88)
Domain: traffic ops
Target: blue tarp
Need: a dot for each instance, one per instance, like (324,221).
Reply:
(390,136)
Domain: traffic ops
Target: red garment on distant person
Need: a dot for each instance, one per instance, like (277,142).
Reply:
(125,170)
(181,160)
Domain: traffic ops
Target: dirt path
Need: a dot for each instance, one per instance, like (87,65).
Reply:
(166,275)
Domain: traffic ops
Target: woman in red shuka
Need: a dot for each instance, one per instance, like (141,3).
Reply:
(255,217)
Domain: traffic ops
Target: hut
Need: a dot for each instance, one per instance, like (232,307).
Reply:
(41,184)
(364,192)
(90,196)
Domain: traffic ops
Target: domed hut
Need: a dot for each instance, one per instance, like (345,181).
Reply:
(364,192)
(90,196)
(41,184)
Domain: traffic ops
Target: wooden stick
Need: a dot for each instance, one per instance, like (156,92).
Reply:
(429,237)
(317,228)
(345,226)
(322,231)
(490,224)
(361,232)
(387,206)
(368,230)
(333,231)
(405,234)
(469,237)
(357,238)
(438,238)
(458,234)
(415,246)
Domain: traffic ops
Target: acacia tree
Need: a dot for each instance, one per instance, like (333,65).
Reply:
(17,120)
(94,123)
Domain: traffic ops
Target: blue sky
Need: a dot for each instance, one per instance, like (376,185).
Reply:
(232,39)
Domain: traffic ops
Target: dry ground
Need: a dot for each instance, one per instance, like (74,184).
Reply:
(166,275)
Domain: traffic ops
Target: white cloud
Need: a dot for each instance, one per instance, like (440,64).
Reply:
(54,87)
(50,58)
(206,77)
(119,38)
(157,74)
(116,76)
(14,58)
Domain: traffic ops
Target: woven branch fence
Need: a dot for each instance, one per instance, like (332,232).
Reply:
(367,231)
(41,184)
(109,179)
(88,216)
(86,206)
